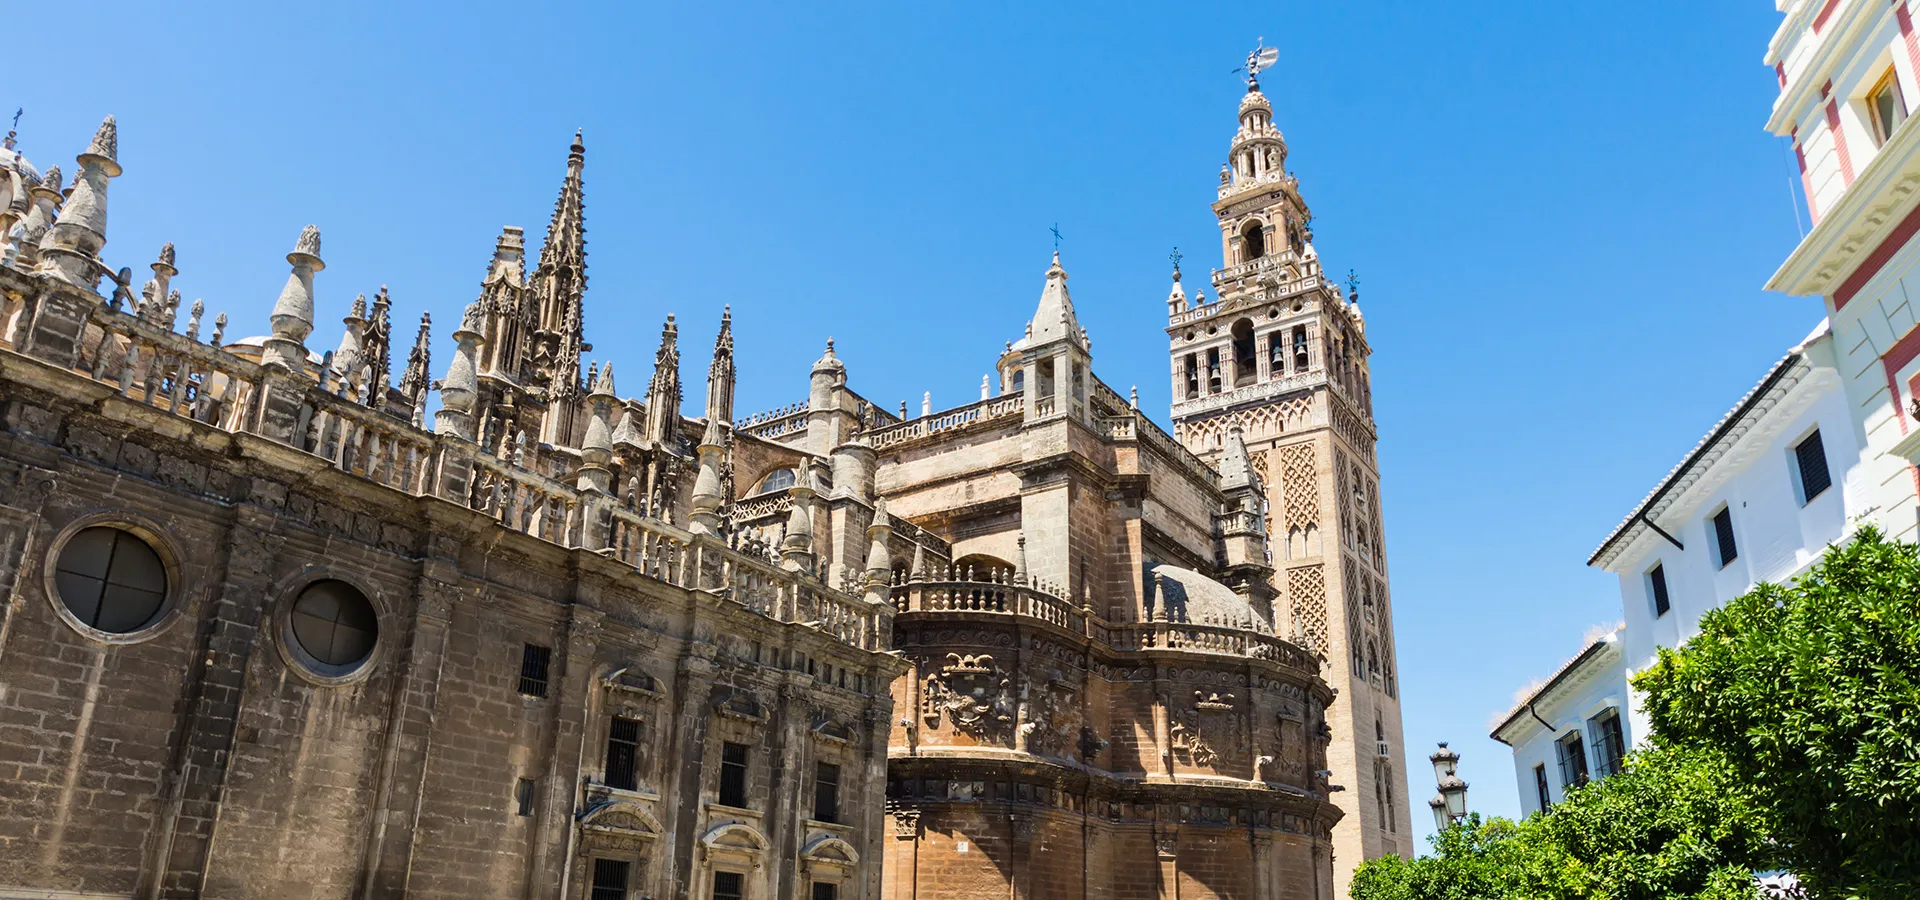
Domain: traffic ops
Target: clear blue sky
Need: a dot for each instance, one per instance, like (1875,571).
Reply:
(1561,214)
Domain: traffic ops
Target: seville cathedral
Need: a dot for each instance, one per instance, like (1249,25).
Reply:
(462,620)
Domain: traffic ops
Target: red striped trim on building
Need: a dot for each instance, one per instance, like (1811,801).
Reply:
(1826,12)
(1871,266)
(1780,69)
(1839,142)
(1905,18)
(1806,184)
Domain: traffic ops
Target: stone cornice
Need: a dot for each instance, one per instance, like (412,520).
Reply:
(1868,211)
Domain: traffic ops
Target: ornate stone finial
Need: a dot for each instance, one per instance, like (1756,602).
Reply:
(986,386)
(50,180)
(926,404)
(166,258)
(603,386)
(1133,397)
(292,317)
(193,320)
(414,380)
(105,146)
(359,308)
(219,330)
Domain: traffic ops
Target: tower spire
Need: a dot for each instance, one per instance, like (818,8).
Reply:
(720,374)
(560,281)
(663,393)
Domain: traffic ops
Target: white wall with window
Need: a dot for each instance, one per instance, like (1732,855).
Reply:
(1771,486)
(1572,728)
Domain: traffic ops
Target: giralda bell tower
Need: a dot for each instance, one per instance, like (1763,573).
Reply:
(1280,354)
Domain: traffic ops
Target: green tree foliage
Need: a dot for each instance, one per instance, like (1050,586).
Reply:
(1810,693)
(1665,827)
(1786,735)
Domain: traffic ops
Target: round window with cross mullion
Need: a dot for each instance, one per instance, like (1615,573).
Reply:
(111,580)
(335,625)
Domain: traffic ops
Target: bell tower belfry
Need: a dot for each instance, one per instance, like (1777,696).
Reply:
(1275,366)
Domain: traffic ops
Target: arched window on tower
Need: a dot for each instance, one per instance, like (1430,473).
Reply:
(1299,348)
(1246,365)
(1253,242)
(1019,381)
(1213,371)
(1193,376)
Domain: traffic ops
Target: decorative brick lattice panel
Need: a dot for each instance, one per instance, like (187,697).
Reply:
(1307,591)
(1299,487)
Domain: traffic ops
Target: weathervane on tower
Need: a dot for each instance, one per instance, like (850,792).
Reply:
(1259,59)
(1055,228)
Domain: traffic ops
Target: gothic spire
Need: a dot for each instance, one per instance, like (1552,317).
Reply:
(413,382)
(379,349)
(720,374)
(1054,319)
(663,393)
(560,280)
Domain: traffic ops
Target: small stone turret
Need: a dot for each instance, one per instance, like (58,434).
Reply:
(348,357)
(292,317)
(43,199)
(415,380)
(796,548)
(596,449)
(461,387)
(70,251)
(879,558)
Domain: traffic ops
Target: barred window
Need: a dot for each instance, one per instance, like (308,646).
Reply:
(1573,760)
(610,879)
(534,660)
(726,886)
(1609,743)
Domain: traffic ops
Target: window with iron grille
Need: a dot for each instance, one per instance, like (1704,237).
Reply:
(533,670)
(523,797)
(826,792)
(1811,458)
(1657,579)
(1540,787)
(1609,742)
(726,886)
(733,775)
(1723,537)
(825,890)
(610,879)
(1573,760)
(623,753)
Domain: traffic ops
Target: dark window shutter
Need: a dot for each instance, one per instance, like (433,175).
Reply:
(623,753)
(1814,477)
(1723,536)
(1661,603)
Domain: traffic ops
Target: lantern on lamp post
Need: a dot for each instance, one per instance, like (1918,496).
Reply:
(1450,805)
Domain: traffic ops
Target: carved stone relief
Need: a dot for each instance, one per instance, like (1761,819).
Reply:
(975,695)
(1207,732)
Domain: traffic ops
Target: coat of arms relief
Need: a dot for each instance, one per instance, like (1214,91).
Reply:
(1206,733)
(974,694)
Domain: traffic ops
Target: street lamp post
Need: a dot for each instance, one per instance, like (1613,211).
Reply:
(1450,805)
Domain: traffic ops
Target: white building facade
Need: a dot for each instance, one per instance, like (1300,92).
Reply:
(1778,480)
(1573,728)
(1847,72)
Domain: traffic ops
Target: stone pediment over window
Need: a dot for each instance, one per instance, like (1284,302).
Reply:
(834,729)
(741,705)
(829,855)
(634,680)
(734,842)
(618,825)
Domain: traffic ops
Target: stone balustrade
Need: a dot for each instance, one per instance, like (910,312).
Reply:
(958,417)
(180,376)
(1204,638)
